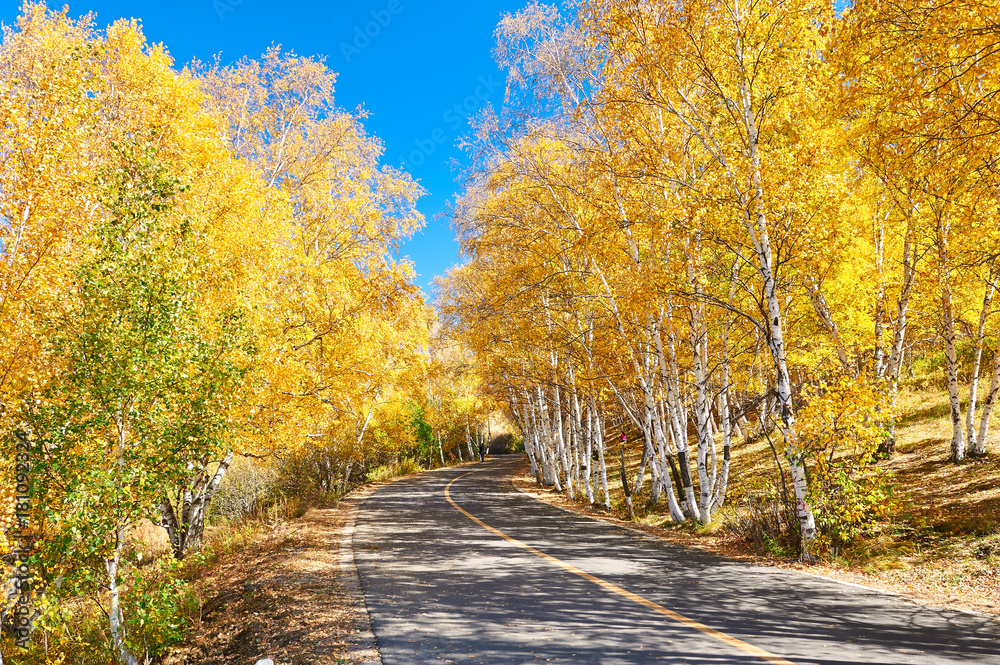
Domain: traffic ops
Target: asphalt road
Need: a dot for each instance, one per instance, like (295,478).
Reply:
(441,588)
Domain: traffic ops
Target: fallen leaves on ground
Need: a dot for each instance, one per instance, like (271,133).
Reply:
(281,598)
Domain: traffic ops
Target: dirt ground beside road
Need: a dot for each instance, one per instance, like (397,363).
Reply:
(288,596)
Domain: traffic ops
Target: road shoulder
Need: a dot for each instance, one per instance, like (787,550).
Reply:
(292,595)
(719,546)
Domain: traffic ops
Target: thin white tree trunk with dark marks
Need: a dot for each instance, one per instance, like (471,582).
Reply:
(974,445)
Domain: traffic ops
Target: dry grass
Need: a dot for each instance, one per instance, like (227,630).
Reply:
(150,539)
(940,545)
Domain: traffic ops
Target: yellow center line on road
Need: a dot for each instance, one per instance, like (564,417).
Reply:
(614,588)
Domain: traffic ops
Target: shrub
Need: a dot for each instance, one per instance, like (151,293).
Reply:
(394,470)
(158,605)
(243,490)
(842,425)
(319,472)
(761,515)
(505,444)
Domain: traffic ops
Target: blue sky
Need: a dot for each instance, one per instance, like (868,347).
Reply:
(420,69)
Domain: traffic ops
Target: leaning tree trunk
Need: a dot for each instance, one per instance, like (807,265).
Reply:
(667,486)
(684,462)
(551,451)
(561,444)
(625,486)
(588,455)
(656,483)
(676,420)
(978,448)
(970,415)
(822,310)
(701,417)
(584,446)
(468,440)
(185,523)
(601,461)
(724,407)
(794,453)
(531,417)
(754,202)
(529,447)
(891,369)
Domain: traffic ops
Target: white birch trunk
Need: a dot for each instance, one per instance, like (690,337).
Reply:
(599,422)
(583,445)
(656,484)
(727,426)
(557,427)
(902,306)
(701,416)
(542,477)
(529,446)
(588,456)
(668,487)
(822,310)
(894,362)
(551,453)
(624,479)
(725,411)
(984,420)
(948,329)
(970,414)
(125,656)
(641,472)
(468,440)
(757,230)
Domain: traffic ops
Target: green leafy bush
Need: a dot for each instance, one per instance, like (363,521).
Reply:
(158,606)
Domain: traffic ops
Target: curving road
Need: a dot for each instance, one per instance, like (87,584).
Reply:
(529,583)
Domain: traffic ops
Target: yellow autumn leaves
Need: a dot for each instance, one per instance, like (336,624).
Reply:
(194,265)
(715,212)
(293,220)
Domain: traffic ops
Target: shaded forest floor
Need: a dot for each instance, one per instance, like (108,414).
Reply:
(939,545)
